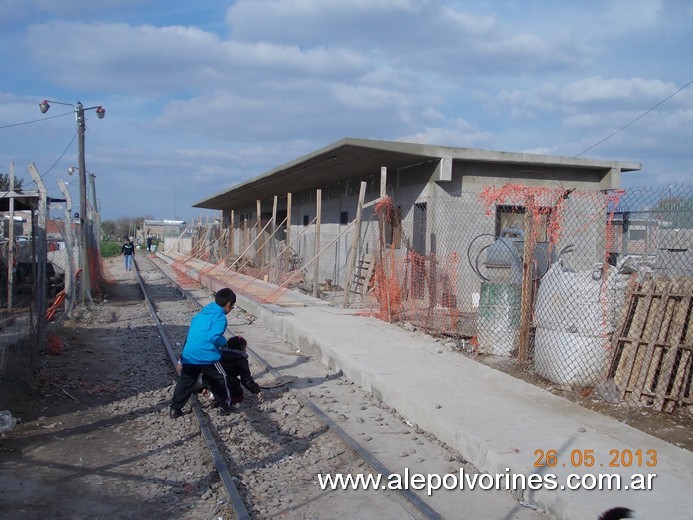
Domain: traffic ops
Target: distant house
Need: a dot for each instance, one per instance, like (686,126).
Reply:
(18,226)
(170,231)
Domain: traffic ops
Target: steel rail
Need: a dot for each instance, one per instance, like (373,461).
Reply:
(219,462)
(352,443)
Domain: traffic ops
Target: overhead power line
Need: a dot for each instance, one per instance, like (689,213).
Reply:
(36,120)
(634,120)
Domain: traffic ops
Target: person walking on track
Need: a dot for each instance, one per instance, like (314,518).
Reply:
(128,251)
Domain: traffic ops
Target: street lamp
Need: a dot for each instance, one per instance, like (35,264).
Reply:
(84,239)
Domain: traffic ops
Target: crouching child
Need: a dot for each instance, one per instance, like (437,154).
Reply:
(234,360)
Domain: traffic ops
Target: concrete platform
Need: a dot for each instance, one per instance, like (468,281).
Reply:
(500,424)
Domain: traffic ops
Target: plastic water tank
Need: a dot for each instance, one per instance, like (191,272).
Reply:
(504,251)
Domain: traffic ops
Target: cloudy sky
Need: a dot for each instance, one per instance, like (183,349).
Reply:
(201,95)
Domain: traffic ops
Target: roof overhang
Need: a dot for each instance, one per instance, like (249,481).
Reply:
(352,158)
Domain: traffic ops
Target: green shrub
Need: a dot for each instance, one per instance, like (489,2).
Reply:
(110,249)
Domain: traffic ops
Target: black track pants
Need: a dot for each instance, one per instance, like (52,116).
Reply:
(214,374)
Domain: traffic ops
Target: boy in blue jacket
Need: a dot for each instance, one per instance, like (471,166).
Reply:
(202,354)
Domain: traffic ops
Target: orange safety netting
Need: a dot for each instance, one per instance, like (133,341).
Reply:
(387,289)
(540,202)
(409,286)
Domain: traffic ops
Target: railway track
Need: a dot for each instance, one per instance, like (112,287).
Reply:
(301,430)
(268,455)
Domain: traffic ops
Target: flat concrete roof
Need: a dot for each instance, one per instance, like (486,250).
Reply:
(352,158)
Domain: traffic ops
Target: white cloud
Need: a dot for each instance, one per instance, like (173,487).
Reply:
(458,133)
(125,59)
(635,91)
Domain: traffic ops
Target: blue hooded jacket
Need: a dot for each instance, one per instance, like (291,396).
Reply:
(205,336)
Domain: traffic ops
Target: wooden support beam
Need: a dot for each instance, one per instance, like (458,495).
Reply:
(70,273)
(258,248)
(10,244)
(274,226)
(318,216)
(285,260)
(351,260)
(41,248)
(527,283)
(232,224)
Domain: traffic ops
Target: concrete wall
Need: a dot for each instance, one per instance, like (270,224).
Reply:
(181,245)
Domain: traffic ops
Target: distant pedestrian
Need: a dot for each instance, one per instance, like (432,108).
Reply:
(202,355)
(234,359)
(128,251)
(149,241)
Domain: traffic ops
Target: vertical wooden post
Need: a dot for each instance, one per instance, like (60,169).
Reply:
(10,243)
(316,253)
(285,256)
(246,233)
(273,240)
(288,218)
(351,260)
(232,248)
(527,282)
(258,247)
(41,255)
(70,274)
(383,181)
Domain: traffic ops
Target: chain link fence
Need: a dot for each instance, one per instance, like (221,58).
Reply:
(585,289)
(21,320)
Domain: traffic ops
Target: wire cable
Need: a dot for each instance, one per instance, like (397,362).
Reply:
(634,120)
(58,159)
(36,120)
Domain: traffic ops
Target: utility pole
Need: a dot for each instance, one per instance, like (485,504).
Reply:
(84,239)
(79,109)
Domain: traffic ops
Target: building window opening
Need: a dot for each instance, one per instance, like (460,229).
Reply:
(393,228)
(513,217)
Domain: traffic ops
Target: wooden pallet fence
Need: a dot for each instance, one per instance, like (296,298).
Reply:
(653,344)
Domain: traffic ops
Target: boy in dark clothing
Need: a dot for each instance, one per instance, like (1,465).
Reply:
(202,354)
(234,359)
(128,251)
